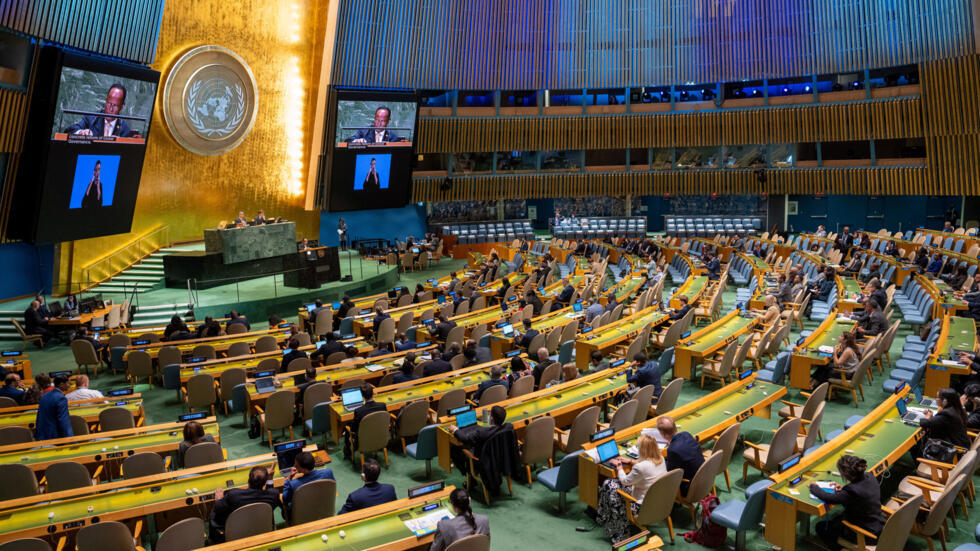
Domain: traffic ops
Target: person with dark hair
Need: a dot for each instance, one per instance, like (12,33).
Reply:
(226,502)
(464,524)
(372,181)
(524,339)
(329,346)
(873,322)
(518,369)
(372,493)
(437,366)
(209,328)
(309,379)
(304,470)
(683,450)
(406,372)
(402,343)
(534,300)
(379,316)
(846,356)
(949,423)
(567,291)
(593,311)
(482,353)
(469,353)
(193,434)
(878,294)
(645,372)
(100,349)
(37,324)
(52,419)
(683,310)
(860,498)
(597,362)
(106,124)
(378,131)
(346,305)
(713,266)
(496,378)
(11,388)
(443,327)
(474,436)
(368,407)
(236,318)
(382,349)
(176,325)
(935,265)
(293,352)
(971,405)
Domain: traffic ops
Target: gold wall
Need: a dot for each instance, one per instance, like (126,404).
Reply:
(281,41)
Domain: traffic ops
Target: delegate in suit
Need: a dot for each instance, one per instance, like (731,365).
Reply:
(107,125)
(378,131)
(52,413)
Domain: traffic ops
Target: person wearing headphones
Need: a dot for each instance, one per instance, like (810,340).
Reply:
(372,493)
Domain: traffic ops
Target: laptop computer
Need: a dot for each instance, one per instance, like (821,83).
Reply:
(607,451)
(265,384)
(352,398)
(466,419)
(415,250)
(577,307)
(286,453)
(336,306)
(508,330)
(310,307)
(441,299)
(909,416)
(924,402)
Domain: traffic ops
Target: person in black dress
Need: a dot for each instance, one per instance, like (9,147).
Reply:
(949,423)
(860,497)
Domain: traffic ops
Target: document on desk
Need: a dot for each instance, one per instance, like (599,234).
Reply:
(824,485)
(656,435)
(375,367)
(426,524)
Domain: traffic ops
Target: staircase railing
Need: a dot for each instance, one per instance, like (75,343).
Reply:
(124,257)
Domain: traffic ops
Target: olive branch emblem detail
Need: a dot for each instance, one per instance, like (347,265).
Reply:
(202,127)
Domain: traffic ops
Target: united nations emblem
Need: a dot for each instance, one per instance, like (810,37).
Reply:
(210,100)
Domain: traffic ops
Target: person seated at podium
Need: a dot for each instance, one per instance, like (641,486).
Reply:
(566,294)
(209,328)
(534,300)
(372,493)
(443,328)
(237,318)
(327,348)
(496,378)
(293,352)
(303,245)
(683,310)
(226,502)
(35,323)
(106,124)
(259,218)
(378,131)
(241,221)
(402,343)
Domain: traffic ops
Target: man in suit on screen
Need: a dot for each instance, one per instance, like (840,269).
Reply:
(378,132)
(107,125)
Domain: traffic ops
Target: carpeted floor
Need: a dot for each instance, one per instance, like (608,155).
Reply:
(526,520)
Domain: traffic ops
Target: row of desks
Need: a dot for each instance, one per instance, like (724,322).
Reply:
(25,416)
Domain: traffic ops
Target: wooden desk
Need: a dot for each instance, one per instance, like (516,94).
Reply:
(24,416)
(704,418)
(19,364)
(604,338)
(958,334)
(364,323)
(694,287)
(806,356)
(81,319)
(705,342)
(562,402)
(880,438)
(468,321)
(847,289)
(500,345)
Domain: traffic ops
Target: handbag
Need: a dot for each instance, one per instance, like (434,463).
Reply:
(938,450)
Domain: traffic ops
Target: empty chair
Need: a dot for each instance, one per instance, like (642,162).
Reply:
(168,355)
(539,444)
(725,444)
(278,413)
(743,516)
(15,435)
(66,475)
(115,418)
(85,355)
(424,448)
(250,520)
(562,478)
(765,457)
(266,343)
(7,402)
(411,419)
(143,464)
(314,501)
(230,378)
(203,453)
(186,534)
(702,483)
(18,481)
(668,398)
(206,350)
(200,392)
(79,425)
(139,365)
(624,416)
(105,535)
(522,386)
(372,435)
(492,395)
(582,427)
(451,400)
(239,348)
(25,544)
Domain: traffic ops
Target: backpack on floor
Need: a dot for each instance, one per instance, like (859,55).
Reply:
(254,426)
(708,534)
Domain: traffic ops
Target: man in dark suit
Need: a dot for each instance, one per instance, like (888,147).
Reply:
(643,373)
(226,502)
(372,493)
(566,292)
(82,335)
(241,220)
(11,388)
(843,241)
(378,132)
(496,378)
(107,124)
(379,316)
(368,407)
(713,265)
(542,362)
(596,361)
(259,218)
(474,436)
(402,343)
(443,327)
(327,348)
(873,321)
(878,294)
(407,370)
(683,451)
(237,318)
(52,413)
(524,340)
(483,354)
(437,366)
(683,310)
(293,354)
(35,323)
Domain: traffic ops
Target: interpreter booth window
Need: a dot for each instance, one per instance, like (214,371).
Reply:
(639,159)
(15,60)
(609,159)
(663,158)
(431,162)
(519,98)
(476,99)
(698,158)
(745,156)
(436,98)
(561,161)
(781,155)
(606,96)
(473,163)
(561,98)
(517,161)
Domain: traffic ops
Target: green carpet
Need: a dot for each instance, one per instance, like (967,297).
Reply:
(526,520)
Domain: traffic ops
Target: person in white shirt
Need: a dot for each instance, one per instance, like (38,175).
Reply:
(649,465)
(82,391)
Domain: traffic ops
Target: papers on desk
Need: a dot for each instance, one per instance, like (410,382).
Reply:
(374,367)
(656,435)
(826,349)
(843,318)
(427,524)
(592,453)
(951,363)
(824,485)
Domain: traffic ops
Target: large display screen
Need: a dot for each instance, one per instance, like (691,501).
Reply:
(85,146)
(372,151)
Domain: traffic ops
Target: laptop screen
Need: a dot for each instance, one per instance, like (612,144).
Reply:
(607,450)
(264,384)
(508,330)
(352,397)
(310,307)
(466,419)
(902,410)
(577,307)
(336,306)
(442,299)
(415,250)
(918,394)
(286,453)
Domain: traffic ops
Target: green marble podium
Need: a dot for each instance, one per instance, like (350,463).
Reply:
(251,242)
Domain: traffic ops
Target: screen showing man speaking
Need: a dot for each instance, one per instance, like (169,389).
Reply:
(373,147)
(96,107)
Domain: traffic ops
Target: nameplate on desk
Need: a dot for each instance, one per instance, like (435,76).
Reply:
(10,353)
(140,343)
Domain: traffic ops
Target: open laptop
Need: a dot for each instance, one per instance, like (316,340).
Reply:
(286,453)
(265,384)
(909,416)
(466,419)
(508,330)
(311,307)
(924,402)
(607,451)
(352,398)
(577,307)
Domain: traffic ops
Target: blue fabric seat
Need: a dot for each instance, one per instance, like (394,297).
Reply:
(775,370)
(425,448)
(319,421)
(833,434)
(852,420)
(742,516)
(562,478)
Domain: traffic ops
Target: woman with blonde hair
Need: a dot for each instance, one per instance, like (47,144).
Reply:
(649,465)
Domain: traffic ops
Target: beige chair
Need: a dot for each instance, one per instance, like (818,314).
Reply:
(105,535)
(933,521)
(623,417)
(200,392)
(492,395)
(725,444)
(583,426)
(235,329)
(539,443)
(553,340)
(79,426)
(267,343)
(18,481)
(457,361)
(239,349)
(766,457)
(168,355)
(299,365)
(404,322)
(203,453)
(702,484)
(522,386)
(929,487)
(475,542)
(114,319)
(550,374)
(143,464)
(658,502)
(451,400)
(407,263)
(230,378)
(720,370)
(893,535)
(373,435)
(25,544)
(335,358)
(536,343)
(386,331)
(67,475)
(250,520)
(314,501)
(119,340)
(317,393)
(811,429)
(15,435)
(668,398)
(180,536)
(808,408)
(149,337)
(456,334)
(478,331)
(206,350)
(139,365)
(410,420)
(85,355)
(851,382)
(37,339)
(115,418)
(463,308)
(323,323)
(6,402)
(278,413)
(302,338)
(269,364)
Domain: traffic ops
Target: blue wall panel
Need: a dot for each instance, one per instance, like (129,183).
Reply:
(367,224)
(27,269)
(900,212)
